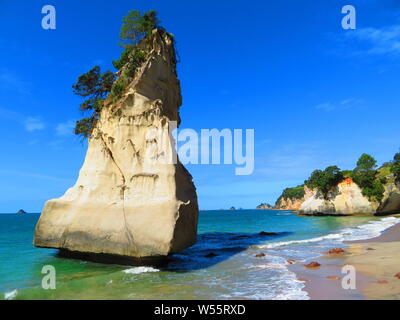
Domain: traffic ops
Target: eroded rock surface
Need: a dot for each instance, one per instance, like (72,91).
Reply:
(127,200)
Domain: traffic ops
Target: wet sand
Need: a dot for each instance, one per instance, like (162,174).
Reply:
(375,270)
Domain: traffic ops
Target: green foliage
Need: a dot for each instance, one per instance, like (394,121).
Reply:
(85,126)
(117,88)
(395,168)
(325,180)
(375,191)
(365,175)
(347,173)
(136,26)
(135,61)
(94,86)
(124,58)
(385,171)
(292,193)
(366,163)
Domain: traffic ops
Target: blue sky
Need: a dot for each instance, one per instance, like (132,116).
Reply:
(315,94)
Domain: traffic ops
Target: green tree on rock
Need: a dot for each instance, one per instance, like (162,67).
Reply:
(136,26)
(325,180)
(395,169)
(94,86)
(364,175)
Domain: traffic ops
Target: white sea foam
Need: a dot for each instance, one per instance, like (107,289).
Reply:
(138,270)
(366,231)
(11,295)
(287,286)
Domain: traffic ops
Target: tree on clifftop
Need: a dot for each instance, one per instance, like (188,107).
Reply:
(136,26)
(95,86)
(365,177)
(325,180)
(395,169)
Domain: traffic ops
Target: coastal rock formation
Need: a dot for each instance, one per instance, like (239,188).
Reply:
(391,203)
(313,265)
(336,251)
(345,199)
(264,206)
(21,211)
(130,200)
(291,203)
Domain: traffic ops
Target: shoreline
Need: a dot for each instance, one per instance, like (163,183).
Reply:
(376,262)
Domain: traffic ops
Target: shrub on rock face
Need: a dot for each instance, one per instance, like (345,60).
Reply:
(135,61)
(325,180)
(291,193)
(395,169)
(117,89)
(365,175)
(84,127)
(124,58)
(94,86)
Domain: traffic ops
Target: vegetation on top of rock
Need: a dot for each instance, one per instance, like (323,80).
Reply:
(264,206)
(365,176)
(325,180)
(395,168)
(292,193)
(96,87)
(136,26)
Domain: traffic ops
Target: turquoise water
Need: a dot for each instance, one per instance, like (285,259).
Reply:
(233,273)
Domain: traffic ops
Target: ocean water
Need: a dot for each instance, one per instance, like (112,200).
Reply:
(233,273)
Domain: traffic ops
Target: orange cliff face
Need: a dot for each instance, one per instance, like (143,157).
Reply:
(346,182)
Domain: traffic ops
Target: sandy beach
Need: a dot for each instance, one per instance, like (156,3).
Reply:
(376,261)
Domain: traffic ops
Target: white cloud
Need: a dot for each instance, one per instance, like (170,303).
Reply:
(65,129)
(33,124)
(326,106)
(377,41)
(340,105)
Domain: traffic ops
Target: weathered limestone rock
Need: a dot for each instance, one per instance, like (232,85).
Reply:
(129,199)
(346,199)
(294,204)
(391,201)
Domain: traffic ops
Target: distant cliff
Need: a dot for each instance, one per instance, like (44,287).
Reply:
(292,198)
(264,206)
(345,198)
